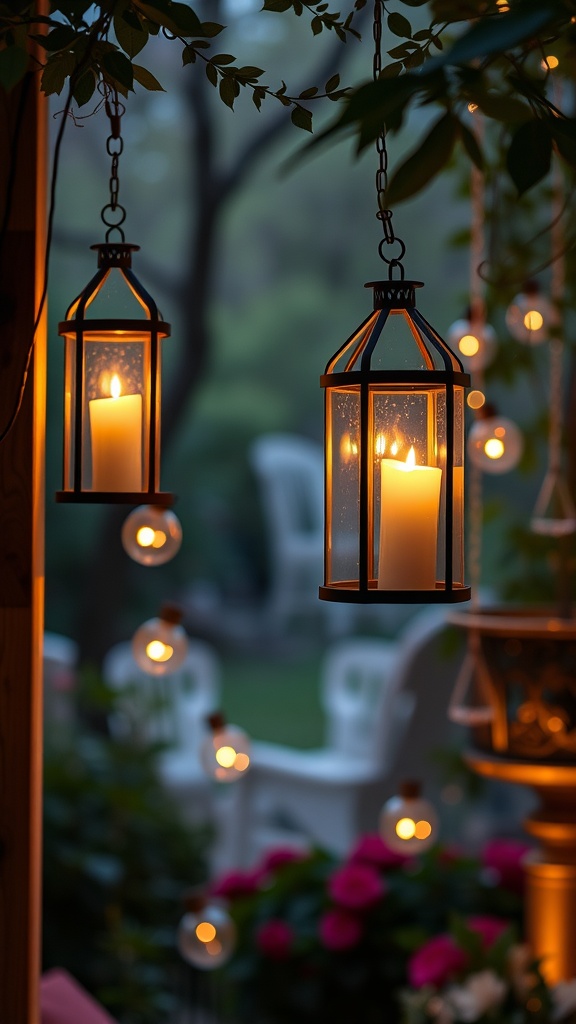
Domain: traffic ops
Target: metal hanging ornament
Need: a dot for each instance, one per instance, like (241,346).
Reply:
(112,377)
(394,443)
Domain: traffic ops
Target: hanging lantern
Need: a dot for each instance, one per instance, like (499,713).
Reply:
(530,315)
(394,459)
(160,645)
(151,535)
(408,822)
(475,344)
(225,751)
(113,332)
(495,443)
(206,936)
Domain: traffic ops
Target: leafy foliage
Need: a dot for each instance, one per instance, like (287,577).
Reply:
(117,859)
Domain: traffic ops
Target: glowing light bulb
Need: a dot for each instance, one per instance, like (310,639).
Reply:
(549,63)
(472,108)
(476,399)
(206,935)
(225,751)
(495,444)
(530,316)
(160,645)
(476,345)
(408,823)
(151,535)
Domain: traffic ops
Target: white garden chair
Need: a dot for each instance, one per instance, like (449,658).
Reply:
(170,710)
(330,795)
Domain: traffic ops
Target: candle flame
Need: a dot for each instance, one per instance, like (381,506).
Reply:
(411,458)
(115,386)
(394,448)
(380,446)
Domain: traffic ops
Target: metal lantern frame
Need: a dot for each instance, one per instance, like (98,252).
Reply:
(79,331)
(362,380)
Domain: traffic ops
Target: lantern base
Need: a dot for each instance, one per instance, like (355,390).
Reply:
(163,498)
(348,591)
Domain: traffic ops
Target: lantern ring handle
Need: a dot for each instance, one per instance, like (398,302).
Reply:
(118,210)
(397,260)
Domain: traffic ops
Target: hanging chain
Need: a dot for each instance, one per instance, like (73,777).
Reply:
(113,214)
(384,215)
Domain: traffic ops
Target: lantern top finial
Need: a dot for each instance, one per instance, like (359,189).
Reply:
(114,254)
(394,294)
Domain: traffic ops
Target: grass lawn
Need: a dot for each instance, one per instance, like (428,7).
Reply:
(274,699)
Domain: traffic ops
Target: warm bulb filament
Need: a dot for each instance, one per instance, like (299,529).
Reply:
(494,448)
(225,756)
(205,931)
(115,387)
(405,828)
(469,345)
(145,536)
(533,320)
(159,651)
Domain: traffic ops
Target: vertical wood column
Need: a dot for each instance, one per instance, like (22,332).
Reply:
(21,550)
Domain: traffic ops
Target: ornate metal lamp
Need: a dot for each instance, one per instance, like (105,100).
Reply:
(394,446)
(113,332)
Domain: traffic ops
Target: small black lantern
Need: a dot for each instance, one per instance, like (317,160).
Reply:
(394,459)
(112,368)
(112,387)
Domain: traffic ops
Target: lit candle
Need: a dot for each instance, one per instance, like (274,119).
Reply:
(116,435)
(410,501)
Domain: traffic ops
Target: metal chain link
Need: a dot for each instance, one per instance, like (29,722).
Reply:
(384,215)
(113,214)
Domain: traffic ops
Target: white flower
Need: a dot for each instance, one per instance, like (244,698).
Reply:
(480,993)
(439,1010)
(564,999)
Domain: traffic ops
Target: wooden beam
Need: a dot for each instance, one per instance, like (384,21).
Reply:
(22,120)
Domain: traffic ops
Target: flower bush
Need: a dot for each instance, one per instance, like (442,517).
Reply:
(383,939)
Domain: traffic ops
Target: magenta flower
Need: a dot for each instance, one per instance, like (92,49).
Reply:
(279,856)
(236,883)
(370,849)
(488,928)
(356,886)
(275,939)
(436,962)
(504,859)
(340,930)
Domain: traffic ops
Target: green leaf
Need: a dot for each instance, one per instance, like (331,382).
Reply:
(84,88)
(227,92)
(210,29)
(185,19)
(470,143)
(212,74)
(501,107)
(496,35)
(308,93)
(56,72)
(399,25)
(188,55)
(146,79)
(59,38)
(302,118)
(316,25)
(222,58)
(277,5)
(249,71)
(13,66)
(529,154)
(425,162)
(130,39)
(332,83)
(119,68)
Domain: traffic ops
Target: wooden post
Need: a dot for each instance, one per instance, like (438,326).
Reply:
(21,550)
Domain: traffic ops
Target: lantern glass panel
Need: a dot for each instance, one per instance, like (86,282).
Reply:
(342,484)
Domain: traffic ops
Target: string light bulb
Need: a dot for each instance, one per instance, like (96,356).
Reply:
(206,936)
(475,344)
(225,751)
(151,535)
(529,316)
(160,645)
(494,443)
(408,822)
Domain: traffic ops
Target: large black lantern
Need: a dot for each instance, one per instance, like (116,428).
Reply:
(113,333)
(394,459)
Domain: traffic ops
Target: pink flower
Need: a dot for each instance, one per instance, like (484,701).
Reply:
(435,962)
(236,883)
(279,856)
(356,886)
(488,928)
(340,930)
(370,849)
(504,860)
(275,939)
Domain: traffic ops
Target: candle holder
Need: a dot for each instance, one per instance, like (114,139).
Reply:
(112,388)
(394,459)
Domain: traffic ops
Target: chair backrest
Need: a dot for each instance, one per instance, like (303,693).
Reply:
(167,709)
(357,681)
(290,470)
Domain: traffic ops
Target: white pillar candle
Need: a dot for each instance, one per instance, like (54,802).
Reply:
(409,505)
(116,436)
